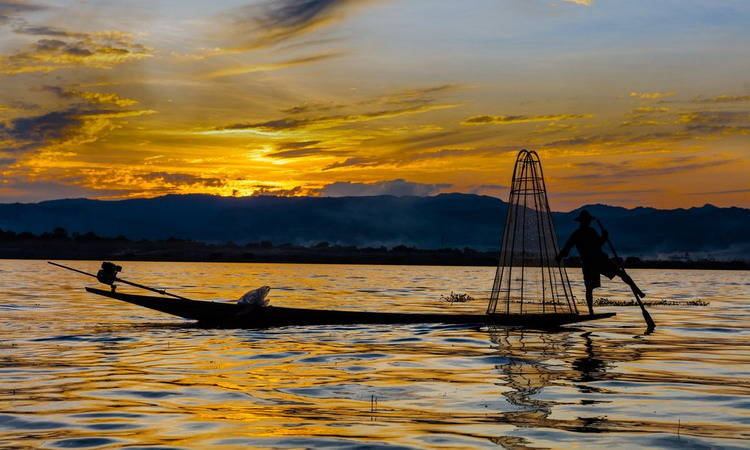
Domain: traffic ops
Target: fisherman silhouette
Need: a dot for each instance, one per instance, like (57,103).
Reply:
(593,260)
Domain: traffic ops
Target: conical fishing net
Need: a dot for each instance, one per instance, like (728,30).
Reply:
(528,280)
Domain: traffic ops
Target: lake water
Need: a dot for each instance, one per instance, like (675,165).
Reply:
(80,371)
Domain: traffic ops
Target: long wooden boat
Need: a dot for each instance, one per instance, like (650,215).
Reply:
(231,315)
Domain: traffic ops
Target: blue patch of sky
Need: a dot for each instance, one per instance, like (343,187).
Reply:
(477,25)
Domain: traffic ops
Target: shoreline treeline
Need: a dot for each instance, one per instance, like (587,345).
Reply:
(59,244)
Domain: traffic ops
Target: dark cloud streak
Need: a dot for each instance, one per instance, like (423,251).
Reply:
(299,149)
(610,173)
(60,49)
(402,159)
(34,131)
(9,9)
(56,127)
(292,123)
(724,98)
(256,26)
(732,191)
(296,13)
(177,179)
(505,120)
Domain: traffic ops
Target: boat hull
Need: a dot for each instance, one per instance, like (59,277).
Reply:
(231,315)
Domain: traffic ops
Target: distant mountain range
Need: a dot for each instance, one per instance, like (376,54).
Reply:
(446,220)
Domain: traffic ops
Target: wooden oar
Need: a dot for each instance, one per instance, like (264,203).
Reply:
(646,316)
(159,291)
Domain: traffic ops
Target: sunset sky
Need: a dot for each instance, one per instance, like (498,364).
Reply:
(628,102)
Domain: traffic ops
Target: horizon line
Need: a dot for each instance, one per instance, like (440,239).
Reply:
(585,205)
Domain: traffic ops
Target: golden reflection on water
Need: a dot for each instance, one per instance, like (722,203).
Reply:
(80,371)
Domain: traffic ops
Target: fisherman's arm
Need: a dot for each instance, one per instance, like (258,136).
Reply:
(566,248)
(604,237)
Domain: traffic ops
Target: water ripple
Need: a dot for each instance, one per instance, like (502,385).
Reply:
(84,372)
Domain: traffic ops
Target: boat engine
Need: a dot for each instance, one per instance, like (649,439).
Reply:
(108,273)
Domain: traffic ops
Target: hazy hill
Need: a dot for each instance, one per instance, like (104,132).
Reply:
(446,220)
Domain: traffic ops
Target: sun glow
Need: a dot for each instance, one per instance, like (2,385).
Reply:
(211,102)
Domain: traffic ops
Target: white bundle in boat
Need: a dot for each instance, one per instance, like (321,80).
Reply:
(255,298)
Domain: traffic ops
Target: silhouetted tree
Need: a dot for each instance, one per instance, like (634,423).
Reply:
(60,233)
(89,236)
(633,261)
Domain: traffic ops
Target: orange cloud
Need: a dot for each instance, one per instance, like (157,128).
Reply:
(504,120)
(96,50)
(92,97)
(651,95)
(650,109)
(725,99)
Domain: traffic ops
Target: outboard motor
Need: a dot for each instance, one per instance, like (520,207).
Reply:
(108,273)
(255,298)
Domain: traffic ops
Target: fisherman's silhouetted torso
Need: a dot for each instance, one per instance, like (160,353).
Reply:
(594,261)
(588,243)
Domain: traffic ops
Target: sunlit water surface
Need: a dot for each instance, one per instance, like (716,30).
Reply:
(80,371)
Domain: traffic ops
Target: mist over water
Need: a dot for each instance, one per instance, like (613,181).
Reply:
(80,371)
